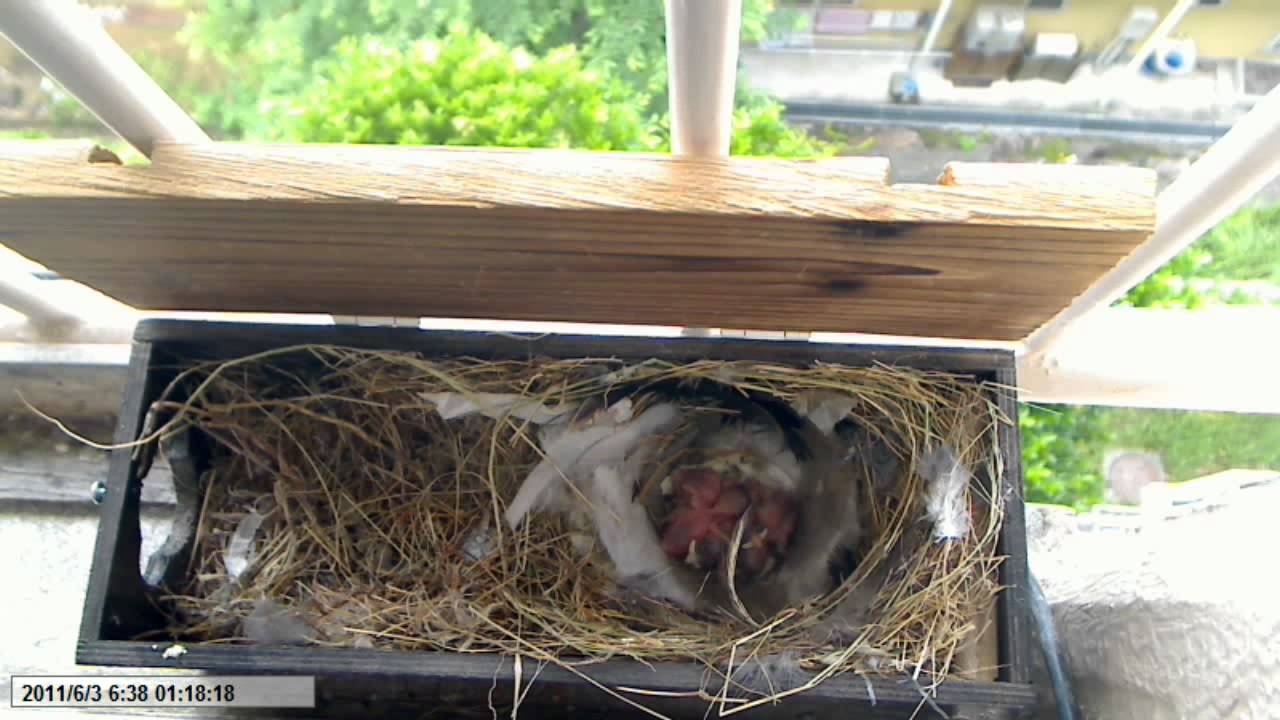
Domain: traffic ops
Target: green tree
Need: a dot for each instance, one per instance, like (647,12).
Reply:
(1170,286)
(268,49)
(468,89)
(1193,444)
(271,48)
(1245,246)
(1062,449)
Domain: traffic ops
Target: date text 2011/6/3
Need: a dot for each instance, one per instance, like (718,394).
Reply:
(56,694)
(163,691)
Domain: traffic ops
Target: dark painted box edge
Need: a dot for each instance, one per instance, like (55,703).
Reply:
(114,571)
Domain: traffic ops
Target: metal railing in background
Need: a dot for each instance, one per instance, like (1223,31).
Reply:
(21,292)
(70,45)
(702,70)
(74,50)
(1216,185)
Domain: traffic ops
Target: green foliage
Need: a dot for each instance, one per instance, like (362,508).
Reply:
(782,23)
(466,89)
(949,140)
(1062,453)
(270,48)
(1063,447)
(1245,246)
(1194,444)
(1055,151)
(24,135)
(761,132)
(759,129)
(1170,286)
(66,113)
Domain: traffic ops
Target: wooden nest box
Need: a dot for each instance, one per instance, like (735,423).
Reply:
(985,256)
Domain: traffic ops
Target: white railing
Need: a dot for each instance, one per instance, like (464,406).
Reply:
(78,54)
(71,46)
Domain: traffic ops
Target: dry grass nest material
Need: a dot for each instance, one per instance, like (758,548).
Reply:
(368,500)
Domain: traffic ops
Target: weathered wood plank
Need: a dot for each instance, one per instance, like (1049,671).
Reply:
(584,237)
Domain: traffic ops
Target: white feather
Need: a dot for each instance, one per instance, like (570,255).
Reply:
(574,453)
(629,538)
(945,503)
(496,405)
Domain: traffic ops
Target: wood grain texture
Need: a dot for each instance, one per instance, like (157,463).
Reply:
(587,237)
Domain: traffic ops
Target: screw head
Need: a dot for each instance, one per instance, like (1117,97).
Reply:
(98,491)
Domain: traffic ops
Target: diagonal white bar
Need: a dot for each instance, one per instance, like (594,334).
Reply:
(72,48)
(21,292)
(1219,183)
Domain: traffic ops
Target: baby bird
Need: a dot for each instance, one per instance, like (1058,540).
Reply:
(708,507)
(761,470)
(736,470)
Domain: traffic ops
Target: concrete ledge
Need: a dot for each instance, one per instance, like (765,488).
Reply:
(75,381)
(39,464)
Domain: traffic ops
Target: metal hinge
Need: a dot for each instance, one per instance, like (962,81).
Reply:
(749,334)
(377,320)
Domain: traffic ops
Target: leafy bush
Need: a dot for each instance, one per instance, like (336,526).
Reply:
(25,135)
(759,129)
(466,89)
(1193,444)
(1170,286)
(1062,452)
(1063,449)
(1245,246)
(270,48)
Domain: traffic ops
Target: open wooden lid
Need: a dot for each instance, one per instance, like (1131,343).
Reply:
(989,253)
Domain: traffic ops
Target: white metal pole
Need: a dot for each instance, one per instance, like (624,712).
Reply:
(1230,172)
(1158,35)
(702,69)
(21,292)
(935,27)
(71,47)
(702,74)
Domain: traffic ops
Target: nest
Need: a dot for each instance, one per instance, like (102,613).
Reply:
(370,506)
